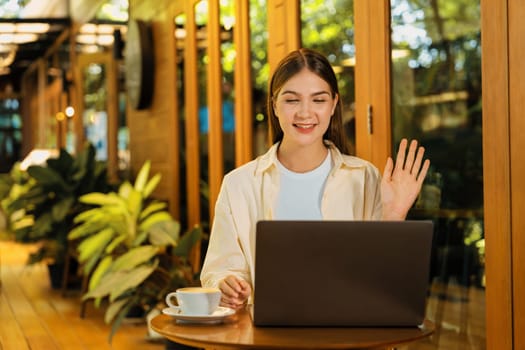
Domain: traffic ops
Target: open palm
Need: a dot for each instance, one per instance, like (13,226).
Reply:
(402,182)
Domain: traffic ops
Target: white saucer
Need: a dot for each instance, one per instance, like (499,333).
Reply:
(216,317)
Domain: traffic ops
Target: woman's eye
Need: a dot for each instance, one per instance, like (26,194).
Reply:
(319,100)
(291,100)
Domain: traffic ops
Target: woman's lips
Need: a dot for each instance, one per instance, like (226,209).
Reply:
(304,126)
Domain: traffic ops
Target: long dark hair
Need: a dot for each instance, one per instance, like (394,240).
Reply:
(316,63)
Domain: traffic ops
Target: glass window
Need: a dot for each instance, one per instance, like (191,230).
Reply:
(436,98)
(95,108)
(201,21)
(260,74)
(10,133)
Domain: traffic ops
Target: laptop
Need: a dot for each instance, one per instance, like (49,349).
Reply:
(341,273)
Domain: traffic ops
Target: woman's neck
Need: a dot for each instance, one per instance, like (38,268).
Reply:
(301,159)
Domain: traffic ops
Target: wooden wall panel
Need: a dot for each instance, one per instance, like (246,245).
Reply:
(517,161)
(154,131)
(496,174)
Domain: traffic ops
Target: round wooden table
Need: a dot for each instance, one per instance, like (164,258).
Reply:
(238,332)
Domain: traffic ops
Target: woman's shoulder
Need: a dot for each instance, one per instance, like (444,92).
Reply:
(356,161)
(350,161)
(243,171)
(253,168)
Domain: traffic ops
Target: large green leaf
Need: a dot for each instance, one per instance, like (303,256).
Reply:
(87,215)
(63,164)
(94,244)
(114,243)
(99,271)
(142,177)
(48,178)
(164,233)
(34,196)
(154,219)
(117,321)
(121,224)
(139,239)
(91,263)
(114,283)
(135,202)
(23,223)
(97,198)
(42,226)
(125,189)
(134,278)
(88,228)
(187,241)
(151,185)
(151,208)
(113,309)
(61,208)
(134,257)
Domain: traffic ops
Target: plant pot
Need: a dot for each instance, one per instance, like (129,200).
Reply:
(135,312)
(56,275)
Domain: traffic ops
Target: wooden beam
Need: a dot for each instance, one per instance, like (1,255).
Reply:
(243,85)
(214,90)
(517,173)
(192,118)
(496,174)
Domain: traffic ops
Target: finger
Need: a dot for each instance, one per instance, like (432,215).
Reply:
(245,294)
(389,166)
(229,300)
(233,302)
(234,283)
(409,161)
(227,304)
(417,163)
(400,159)
(246,289)
(227,289)
(423,172)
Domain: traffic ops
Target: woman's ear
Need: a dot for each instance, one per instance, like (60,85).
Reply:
(336,100)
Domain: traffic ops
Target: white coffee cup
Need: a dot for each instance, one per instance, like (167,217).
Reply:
(195,301)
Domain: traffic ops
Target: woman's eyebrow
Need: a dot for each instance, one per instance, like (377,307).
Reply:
(298,94)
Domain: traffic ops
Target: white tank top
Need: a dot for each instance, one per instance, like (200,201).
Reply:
(300,194)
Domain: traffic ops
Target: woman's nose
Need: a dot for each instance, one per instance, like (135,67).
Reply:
(305,109)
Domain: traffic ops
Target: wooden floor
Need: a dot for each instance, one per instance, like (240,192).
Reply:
(34,316)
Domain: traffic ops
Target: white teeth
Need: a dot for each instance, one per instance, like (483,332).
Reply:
(304,126)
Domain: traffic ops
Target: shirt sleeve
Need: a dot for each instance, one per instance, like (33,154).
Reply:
(373,204)
(225,255)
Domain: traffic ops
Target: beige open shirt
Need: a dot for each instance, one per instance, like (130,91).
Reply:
(248,194)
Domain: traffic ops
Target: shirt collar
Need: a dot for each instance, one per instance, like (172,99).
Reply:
(269,160)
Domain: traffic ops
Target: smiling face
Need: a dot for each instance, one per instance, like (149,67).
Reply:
(304,106)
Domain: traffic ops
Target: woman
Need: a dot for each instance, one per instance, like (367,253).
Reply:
(306,174)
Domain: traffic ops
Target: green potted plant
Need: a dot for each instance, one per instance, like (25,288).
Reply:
(130,248)
(12,186)
(46,209)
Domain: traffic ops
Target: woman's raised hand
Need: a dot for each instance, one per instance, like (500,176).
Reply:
(402,182)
